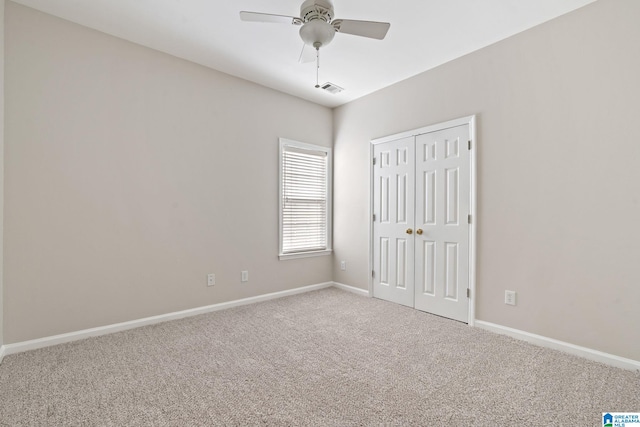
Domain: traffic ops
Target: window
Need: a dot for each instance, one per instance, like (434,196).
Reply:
(305,199)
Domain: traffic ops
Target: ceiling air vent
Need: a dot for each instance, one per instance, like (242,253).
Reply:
(332,88)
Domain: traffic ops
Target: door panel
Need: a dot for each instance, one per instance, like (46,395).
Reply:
(451,265)
(401,263)
(451,196)
(428,267)
(429,197)
(393,248)
(443,247)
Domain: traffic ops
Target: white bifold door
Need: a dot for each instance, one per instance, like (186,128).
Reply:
(421,207)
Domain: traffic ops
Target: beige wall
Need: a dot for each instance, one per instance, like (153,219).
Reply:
(131,174)
(558,176)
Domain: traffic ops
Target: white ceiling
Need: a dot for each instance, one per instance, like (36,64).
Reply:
(423,35)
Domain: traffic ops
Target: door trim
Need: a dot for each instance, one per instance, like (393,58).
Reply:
(468,120)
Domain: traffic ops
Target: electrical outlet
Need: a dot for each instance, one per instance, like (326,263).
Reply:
(343,265)
(510,297)
(244,276)
(211,279)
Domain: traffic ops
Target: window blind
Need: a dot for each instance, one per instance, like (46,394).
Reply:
(304,200)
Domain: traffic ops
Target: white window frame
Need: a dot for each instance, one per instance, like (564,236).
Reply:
(301,145)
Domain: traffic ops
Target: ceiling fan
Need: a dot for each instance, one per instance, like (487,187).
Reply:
(317,26)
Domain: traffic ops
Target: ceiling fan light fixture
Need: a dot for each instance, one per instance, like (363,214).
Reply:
(317,33)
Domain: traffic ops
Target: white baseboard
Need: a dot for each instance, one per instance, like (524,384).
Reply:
(576,350)
(351,289)
(19,347)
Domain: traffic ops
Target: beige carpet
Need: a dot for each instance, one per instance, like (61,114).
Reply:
(325,358)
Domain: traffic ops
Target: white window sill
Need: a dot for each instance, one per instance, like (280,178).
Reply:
(305,254)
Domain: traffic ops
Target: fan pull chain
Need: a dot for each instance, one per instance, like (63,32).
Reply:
(317,67)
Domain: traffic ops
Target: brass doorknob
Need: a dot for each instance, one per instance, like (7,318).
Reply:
(419,231)
(409,231)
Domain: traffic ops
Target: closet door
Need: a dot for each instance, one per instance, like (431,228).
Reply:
(393,207)
(421,207)
(442,228)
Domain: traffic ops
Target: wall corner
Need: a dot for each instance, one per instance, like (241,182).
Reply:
(2,4)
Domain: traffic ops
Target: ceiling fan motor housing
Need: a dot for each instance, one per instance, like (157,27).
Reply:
(317,30)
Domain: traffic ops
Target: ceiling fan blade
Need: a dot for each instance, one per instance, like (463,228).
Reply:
(307,55)
(371,29)
(267,17)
